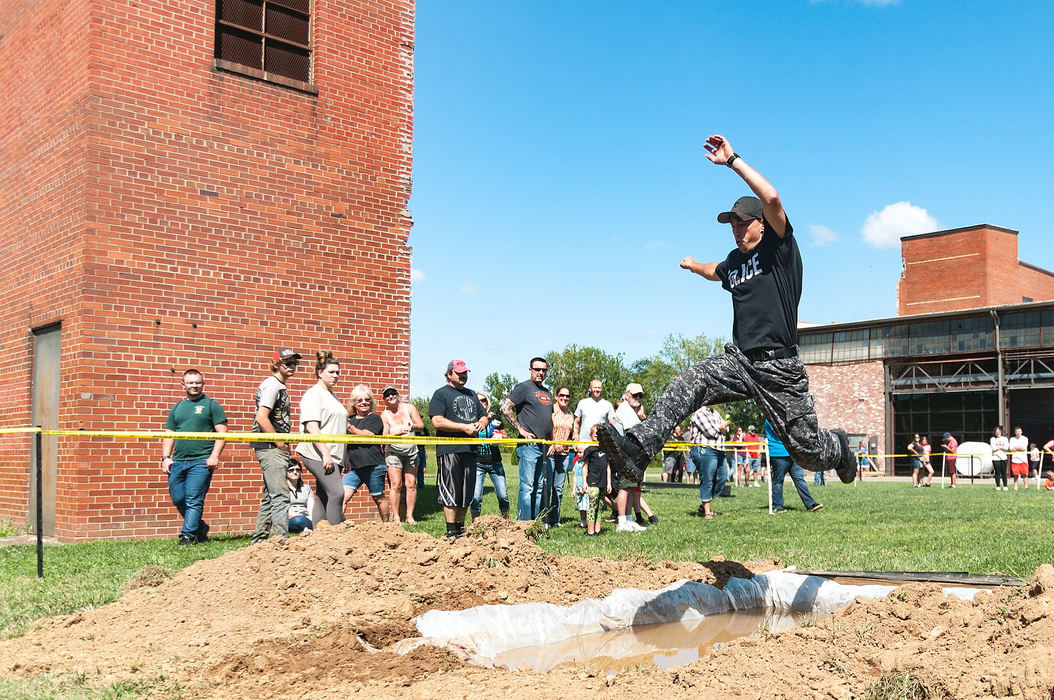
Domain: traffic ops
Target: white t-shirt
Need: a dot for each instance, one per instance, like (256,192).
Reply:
(1020,444)
(625,417)
(589,413)
(999,447)
(319,404)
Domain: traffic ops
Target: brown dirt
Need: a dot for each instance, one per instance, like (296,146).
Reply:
(311,617)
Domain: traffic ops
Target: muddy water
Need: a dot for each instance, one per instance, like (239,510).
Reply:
(663,645)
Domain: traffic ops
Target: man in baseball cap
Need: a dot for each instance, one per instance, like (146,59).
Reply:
(456,413)
(272,416)
(764,276)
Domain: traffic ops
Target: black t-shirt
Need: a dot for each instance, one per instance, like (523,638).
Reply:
(365,455)
(766,288)
(459,405)
(596,467)
(534,408)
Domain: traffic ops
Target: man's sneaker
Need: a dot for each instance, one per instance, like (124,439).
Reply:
(846,469)
(629,526)
(641,521)
(653,519)
(202,534)
(185,540)
(779,510)
(622,453)
(815,507)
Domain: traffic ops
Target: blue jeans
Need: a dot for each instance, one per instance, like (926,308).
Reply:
(188,482)
(533,464)
(299,523)
(710,464)
(780,467)
(819,479)
(497,477)
(555,476)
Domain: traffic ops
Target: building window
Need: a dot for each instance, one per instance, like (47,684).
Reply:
(269,37)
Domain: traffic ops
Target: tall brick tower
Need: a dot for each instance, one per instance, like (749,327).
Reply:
(191,185)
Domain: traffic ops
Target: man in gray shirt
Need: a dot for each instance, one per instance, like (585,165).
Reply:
(529,408)
(272,416)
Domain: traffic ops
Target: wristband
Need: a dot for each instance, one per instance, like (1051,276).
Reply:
(731,159)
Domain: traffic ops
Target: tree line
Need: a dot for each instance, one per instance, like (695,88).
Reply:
(575,366)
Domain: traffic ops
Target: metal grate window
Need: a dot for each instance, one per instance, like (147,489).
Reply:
(273,36)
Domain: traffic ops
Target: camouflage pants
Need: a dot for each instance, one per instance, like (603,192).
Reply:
(779,387)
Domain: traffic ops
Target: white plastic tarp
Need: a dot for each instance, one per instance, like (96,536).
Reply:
(491,630)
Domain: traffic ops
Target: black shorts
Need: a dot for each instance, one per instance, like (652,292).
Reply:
(457,479)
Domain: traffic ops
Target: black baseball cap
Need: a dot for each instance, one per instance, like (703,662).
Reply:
(284,355)
(745,209)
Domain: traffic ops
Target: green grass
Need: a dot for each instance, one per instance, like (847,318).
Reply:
(84,575)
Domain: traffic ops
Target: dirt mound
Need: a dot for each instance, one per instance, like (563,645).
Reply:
(313,615)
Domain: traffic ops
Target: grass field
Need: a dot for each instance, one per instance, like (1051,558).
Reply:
(882,526)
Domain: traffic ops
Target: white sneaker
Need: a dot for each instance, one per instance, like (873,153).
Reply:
(629,526)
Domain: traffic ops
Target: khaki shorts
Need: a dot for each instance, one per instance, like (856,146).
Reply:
(401,457)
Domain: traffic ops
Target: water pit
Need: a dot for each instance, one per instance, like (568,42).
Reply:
(630,628)
(664,645)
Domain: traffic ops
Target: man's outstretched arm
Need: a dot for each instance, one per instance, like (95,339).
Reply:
(719,151)
(707,270)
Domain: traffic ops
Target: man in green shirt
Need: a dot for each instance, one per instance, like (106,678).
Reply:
(189,463)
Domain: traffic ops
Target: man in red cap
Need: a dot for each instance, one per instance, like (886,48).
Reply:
(456,413)
(764,276)
(272,416)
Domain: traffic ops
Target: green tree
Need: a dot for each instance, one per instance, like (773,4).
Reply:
(574,367)
(421,404)
(497,387)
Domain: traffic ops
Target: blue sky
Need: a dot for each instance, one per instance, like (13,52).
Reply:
(559,174)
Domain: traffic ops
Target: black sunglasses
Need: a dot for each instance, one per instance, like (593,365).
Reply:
(539,369)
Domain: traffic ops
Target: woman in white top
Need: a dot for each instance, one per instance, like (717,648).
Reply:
(999,445)
(322,412)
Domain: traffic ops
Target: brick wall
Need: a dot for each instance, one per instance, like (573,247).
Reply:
(173,215)
(850,396)
(966,268)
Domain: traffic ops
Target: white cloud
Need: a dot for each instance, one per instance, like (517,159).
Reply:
(467,288)
(884,229)
(417,275)
(822,236)
(655,245)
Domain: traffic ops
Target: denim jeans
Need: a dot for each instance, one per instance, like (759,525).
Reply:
(555,476)
(299,523)
(819,479)
(710,464)
(780,467)
(533,463)
(188,482)
(497,477)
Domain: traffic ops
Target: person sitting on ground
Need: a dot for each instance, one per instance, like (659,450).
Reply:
(365,461)
(1048,483)
(598,482)
(301,500)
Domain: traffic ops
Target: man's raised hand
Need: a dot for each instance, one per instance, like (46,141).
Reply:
(718,149)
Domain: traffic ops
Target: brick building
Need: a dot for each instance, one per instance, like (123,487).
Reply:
(185,185)
(972,348)
(967,268)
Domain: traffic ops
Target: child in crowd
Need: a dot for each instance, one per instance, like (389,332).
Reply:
(581,491)
(1048,483)
(598,482)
